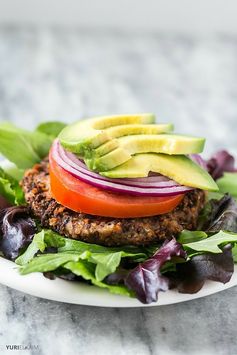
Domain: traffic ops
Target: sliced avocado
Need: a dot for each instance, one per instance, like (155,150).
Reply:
(177,167)
(83,136)
(108,161)
(125,130)
(143,143)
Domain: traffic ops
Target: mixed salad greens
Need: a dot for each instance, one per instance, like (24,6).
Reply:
(186,263)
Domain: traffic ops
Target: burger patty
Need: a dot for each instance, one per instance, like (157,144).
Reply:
(106,230)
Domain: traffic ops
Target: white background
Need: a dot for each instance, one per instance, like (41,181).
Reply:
(180,16)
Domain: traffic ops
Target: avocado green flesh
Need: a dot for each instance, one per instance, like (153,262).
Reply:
(108,161)
(177,167)
(144,143)
(83,136)
(127,130)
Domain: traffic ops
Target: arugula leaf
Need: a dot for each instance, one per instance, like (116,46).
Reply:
(10,189)
(210,244)
(22,147)
(87,271)
(51,128)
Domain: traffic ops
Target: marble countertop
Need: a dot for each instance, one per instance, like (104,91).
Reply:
(68,74)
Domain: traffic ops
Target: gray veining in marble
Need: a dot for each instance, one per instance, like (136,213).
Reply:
(58,74)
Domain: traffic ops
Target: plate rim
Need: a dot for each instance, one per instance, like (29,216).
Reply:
(37,285)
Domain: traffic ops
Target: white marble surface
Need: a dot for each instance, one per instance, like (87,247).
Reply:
(53,74)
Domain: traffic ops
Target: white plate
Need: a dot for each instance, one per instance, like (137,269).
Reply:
(78,293)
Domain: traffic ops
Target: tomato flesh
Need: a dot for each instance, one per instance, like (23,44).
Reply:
(80,196)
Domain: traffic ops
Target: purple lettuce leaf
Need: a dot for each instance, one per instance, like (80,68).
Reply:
(117,277)
(17,229)
(191,276)
(4,203)
(219,163)
(146,279)
(222,215)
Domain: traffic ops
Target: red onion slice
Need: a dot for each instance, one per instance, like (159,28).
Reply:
(163,188)
(149,182)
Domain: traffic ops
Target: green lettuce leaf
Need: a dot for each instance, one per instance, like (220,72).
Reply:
(50,262)
(107,263)
(87,271)
(12,170)
(51,128)
(214,195)
(106,259)
(234,253)
(187,236)
(78,246)
(45,238)
(10,189)
(22,147)
(37,244)
(228,183)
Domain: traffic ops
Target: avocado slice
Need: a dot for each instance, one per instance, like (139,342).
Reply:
(142,143)
(83,137)
(177,167)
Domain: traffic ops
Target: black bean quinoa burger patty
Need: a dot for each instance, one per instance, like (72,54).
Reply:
(102,230)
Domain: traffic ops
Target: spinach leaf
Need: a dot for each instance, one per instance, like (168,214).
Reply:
(51,128)
(22,147)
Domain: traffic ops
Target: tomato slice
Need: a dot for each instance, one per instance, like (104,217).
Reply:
(83,197)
